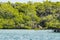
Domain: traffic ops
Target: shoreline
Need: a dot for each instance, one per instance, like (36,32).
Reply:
(26,29)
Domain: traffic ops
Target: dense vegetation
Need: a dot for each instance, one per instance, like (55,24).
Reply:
(30,15)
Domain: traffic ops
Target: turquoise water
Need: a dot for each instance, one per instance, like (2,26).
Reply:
(29,35)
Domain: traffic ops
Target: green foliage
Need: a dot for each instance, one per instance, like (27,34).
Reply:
(30,15)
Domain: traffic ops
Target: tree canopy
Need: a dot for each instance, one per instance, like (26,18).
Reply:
(30,15)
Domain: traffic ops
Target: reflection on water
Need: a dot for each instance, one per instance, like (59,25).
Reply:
(29,35)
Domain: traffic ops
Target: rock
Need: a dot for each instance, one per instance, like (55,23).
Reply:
(57,30)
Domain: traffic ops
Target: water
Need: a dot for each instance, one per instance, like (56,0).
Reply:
(29,35)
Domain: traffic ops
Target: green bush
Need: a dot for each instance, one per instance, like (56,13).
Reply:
(30,15)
